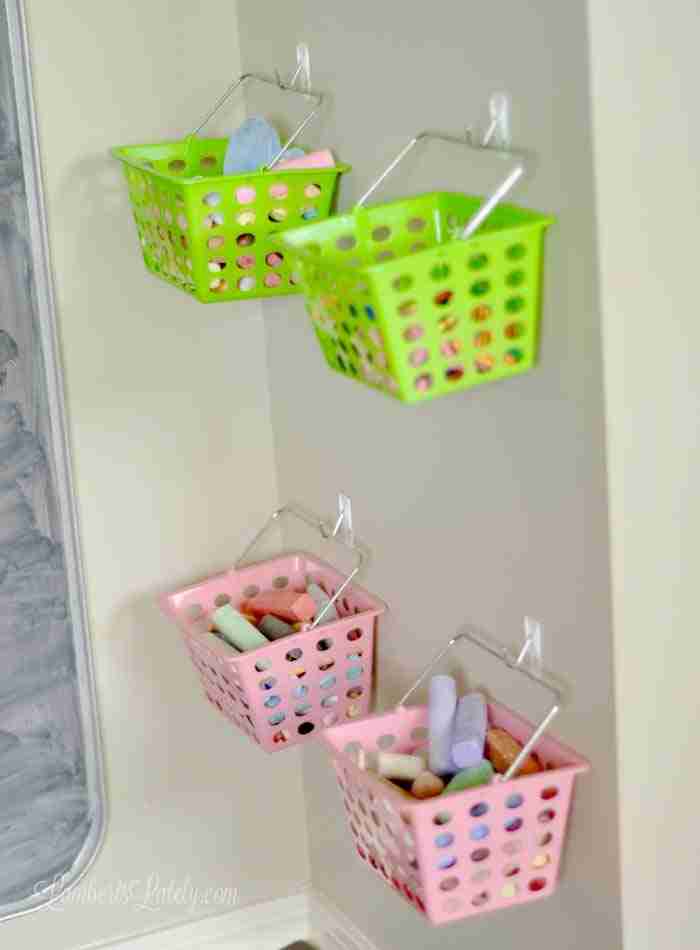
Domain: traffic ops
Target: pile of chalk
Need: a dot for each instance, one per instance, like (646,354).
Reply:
(270,615)
(463,750)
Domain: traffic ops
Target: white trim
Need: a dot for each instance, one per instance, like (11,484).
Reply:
(331,929)
(267,926)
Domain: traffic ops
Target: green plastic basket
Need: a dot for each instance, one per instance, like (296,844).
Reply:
(217,236)
(402,302)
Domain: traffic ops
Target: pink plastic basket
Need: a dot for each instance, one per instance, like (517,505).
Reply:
(468,852)
(287,691)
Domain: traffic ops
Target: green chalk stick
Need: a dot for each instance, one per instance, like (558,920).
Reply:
(472,777)
(236,630)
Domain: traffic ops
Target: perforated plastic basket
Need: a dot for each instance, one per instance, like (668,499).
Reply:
(465,853)
(287,691)
(217,236)
(409,297)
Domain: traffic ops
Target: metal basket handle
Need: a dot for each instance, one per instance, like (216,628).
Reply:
(513,661)
(315,97)
(485,209)
(341,532)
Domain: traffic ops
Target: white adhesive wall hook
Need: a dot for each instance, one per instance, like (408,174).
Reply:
(531,650)
(302,74)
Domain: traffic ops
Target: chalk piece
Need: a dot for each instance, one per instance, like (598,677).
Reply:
(236,630)
(398,766)
(469,731)
(274,628)
(427,785)
(480,774)
(285,604)
(321,599)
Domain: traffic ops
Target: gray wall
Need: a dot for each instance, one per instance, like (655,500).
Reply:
(485,505)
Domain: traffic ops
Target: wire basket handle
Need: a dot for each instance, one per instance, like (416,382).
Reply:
(301,74)
(496,196)
(341,532)
(513,661)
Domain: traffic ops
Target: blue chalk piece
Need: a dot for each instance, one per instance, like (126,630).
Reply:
(254,144)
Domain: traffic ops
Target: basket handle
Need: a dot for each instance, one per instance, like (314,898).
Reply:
(341,532)
(513,661)
(496,196)
(315,97)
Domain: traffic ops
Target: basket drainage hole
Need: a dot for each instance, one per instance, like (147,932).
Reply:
(515,304)
(480,854)
(440,272)
(481,313)
(445,863)
(414,332)
(443,298)
(415,224)
(279,738)
(280,582)
(404,282)
(246,283)
(251,591)
(246,218)
(324,644)
(541,860)
(354,634)
(449,884)
(480,899)
(479,832)
(328,665)
(544,839)
(444,840)
(328,682)
(305,728)
(268,683)
(218,285)
(208,162)
(450,347)
(177,166)
(217,264)
(381,233)
(484,364)
(515,252)
(423,382)
(353,710)
(514,801)
(346,242)
(293,655)
(482,339)
(513,357)
(278,191)
(329,701)
(447,323)
(245,239)
(546,816)
(408,308)
(549,793)
(330,719)
(537,884)
(513,824)
(354,692)
(214,220)
(419,734)
(303,709)
(245,195)
(212,199)
(419,356)
(194,612)
(477,261)
(511,870)
(509,890)
(454,373)
(443,818)
(274,259)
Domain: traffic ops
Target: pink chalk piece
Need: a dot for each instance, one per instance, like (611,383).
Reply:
(320,159)
(285,604)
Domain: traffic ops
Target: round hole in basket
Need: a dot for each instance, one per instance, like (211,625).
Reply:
(513,824)
(222,599)
(415,224)
(214,243)
(382,233)
(326,665)
(280,737)
(511,870)
(353,710)
(354,634)
(246,218)
(447,323)
(484,363)
(303,709)
(325,643)
(514,801)
(245,195)
(272,701)
(449,861)
(328,682)
(515,278)
(440,271)
(292,655)
(329,719)
(477,261)
(262,665)
(419,734)
(194,612)
(480,854)
(305,728)
(267,683)
(329,701)
(213,220)
(480,899)
(544,839)
(246,283)
(481,312)
(408,308)
(251,590)
(483,874)
(212,199)
(454,373)
(537,884)
(177,166)
(208,162)
(483,338)
(449,883)
(443,818)
(355,692)
(546,816)
(479,832)
(419,356)
(218,285)
(280,582)
(443,298)
(444,840)
(299,672)
(516,252)
(278,191)
(424,382)
(355,672)
(541,860)
(509,890)
(245,261)
(512,847)
(245,239)
(548,793)
(515,304)
(300,691)
(217,264)
(277,718)
(346,242)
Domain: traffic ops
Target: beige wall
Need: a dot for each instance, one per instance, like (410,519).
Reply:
(645,80)
(486,505)
(174,470)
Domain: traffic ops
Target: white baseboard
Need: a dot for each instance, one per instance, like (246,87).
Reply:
(268,926)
